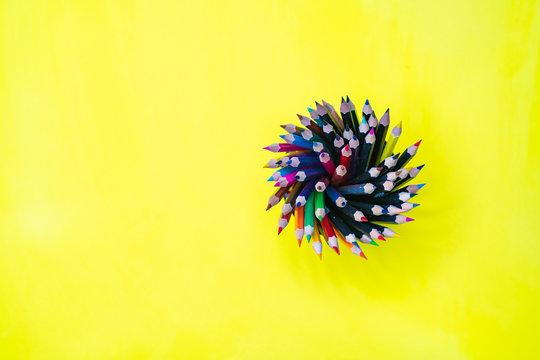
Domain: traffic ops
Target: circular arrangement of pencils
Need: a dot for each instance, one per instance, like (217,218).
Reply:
(340,178)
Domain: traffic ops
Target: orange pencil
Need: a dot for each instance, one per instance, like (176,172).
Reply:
(299,232)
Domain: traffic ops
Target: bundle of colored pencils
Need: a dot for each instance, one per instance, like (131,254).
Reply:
(340,178)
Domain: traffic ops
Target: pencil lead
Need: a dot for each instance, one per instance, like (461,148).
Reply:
(420,186)
(299,242)
(408,219)
(342,100)
(373,243)
(268,207)
(415,205)
(364,219)
(396,235)
(362,255)
(320,256)
(418,143)
(380,237)
(336,249)
(420,167)
(367,102)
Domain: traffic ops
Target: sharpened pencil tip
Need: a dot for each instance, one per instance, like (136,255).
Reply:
(418,143)
(367,102)
(421,186)
(409,219)
(342,100)
(279,230)
(380,237)
(384,211)
(373,243)
(396,235)
(336,249)
(363,218)
(421,166)
(320,256)
(362,255)
(299,242)
(348,98)
(268,207)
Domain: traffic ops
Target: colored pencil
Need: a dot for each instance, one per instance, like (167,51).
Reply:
(407,155)
(278,195)
(299,230)
(283,148)
(329,234)
(321,185)
(317,244)
(336,197)
(309,216)
(380,135)
(305,192)
(367,149)
(391,141)
(320,209)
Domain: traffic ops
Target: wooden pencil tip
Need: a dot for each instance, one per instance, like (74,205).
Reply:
(396,235)
(320,256)
(380,237)
(363,255)
(418,143)
(299,242)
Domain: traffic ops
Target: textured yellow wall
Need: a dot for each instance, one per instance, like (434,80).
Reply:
(132,193)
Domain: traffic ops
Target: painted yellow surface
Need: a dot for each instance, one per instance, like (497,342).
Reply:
(132,192)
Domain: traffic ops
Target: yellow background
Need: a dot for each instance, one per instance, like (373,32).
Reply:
(132,197)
